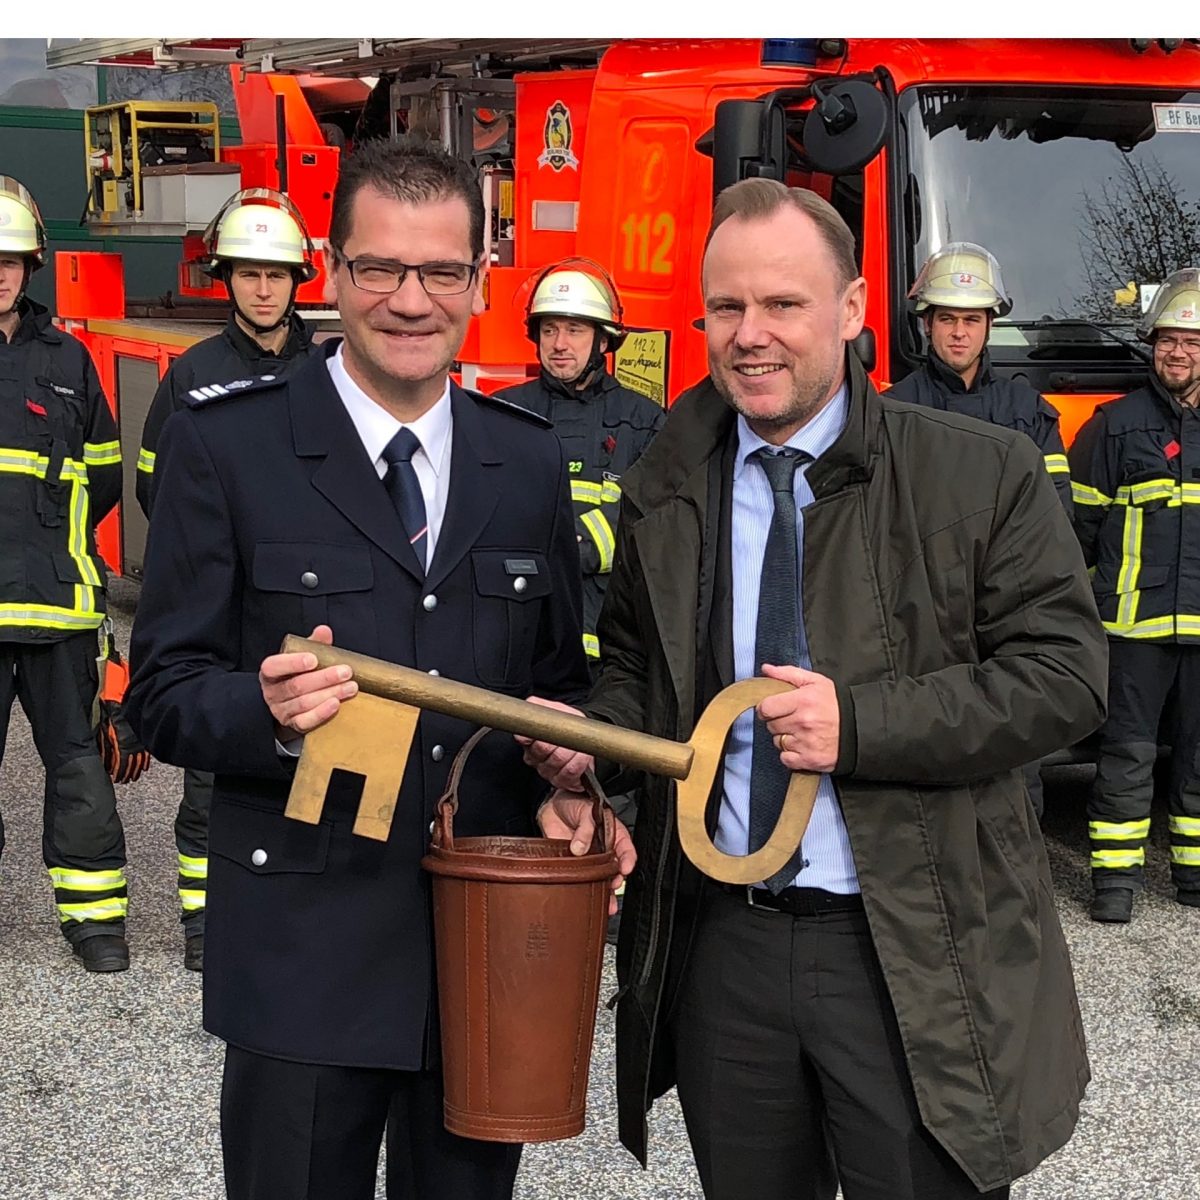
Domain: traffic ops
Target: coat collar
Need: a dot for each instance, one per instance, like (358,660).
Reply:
(948,380)
(299,341)
(322,429)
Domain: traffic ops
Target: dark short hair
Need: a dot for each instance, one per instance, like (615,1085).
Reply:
(415,174)
(757,199)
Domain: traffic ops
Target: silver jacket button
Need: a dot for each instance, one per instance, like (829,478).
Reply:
(437,753)
(309,579)
(259,858)
(429,603)
(520,584)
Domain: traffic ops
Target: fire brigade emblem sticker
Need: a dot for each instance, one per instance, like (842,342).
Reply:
(557,135)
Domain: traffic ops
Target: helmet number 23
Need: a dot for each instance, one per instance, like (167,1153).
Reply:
(647,240)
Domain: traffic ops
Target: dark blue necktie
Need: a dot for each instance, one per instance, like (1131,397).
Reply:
(776,640)
(405,490)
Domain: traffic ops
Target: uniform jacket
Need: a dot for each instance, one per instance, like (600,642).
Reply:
(956,622)
(604,428)
(1137,462)
(60,473)
(1010,403)
(229,355)
(269,520)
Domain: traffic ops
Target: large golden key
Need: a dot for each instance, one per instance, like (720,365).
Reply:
(372,734)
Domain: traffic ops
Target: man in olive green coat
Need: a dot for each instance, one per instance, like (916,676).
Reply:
(948,635)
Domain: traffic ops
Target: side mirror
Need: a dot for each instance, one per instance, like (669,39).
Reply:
(847,126)
(864,347)
(747,142)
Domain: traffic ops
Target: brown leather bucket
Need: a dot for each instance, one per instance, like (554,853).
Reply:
(519,928)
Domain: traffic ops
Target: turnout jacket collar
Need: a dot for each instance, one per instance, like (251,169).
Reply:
(251,351)
(602,382)
(35,323)
(949,380)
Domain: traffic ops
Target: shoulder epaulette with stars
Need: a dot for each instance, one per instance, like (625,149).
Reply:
(210,393)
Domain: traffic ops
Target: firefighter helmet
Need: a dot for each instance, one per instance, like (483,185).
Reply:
(960,275)
(21,228)
(585,294)
(259,225)
(1176,305)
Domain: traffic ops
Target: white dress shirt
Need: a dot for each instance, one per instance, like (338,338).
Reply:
(376,427)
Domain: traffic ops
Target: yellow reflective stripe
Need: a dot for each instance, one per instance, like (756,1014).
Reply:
(102,454)
(1102,859)
(1185,826)
(1131,567)
(591,645)
(112,909)
(193,868)
(1191,493)
(1148,491)
(1057,464)
(1082,494)
(1118,831)
(21,462)
(1186,856)
(191,901)
(86,881)
(1188,623)
(145,460)
(610,493)
(585,492)
(49,616)
(1151,627)
(596,523)
(77,544)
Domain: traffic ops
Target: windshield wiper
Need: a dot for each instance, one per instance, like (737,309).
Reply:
(1134,348)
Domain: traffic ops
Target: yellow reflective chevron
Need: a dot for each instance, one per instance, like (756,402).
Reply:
(1186,856)
(146,459)
(1185,826)
(115,908)
(1111,859)
(596,523)
(591,645)
(1118,831)
(191,901)
(193,868)
(74,880)
(102,454)
(1081,493)
(1057,464)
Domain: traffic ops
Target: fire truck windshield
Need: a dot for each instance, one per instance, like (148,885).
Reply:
(1088,198)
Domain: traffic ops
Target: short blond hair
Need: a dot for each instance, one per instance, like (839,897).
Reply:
(757,199)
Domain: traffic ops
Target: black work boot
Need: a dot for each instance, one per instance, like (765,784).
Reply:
(193,952)
(1113,905)
(103,952)
(1188,898)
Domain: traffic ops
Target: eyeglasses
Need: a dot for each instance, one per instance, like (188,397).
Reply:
(1168,345)
(382,277)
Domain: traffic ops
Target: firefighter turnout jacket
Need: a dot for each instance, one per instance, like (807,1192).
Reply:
(604,429)
(230,356)
(60,473)
(1010,403)
(1136,471)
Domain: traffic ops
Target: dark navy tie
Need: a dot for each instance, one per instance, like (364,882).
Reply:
(776,640)
(405,490)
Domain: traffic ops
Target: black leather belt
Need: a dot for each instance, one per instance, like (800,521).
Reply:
(796,901)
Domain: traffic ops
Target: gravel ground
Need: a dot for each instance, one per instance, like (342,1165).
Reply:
(108,1085)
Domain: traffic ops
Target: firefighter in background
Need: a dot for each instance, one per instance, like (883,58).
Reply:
(258,247)
(574,318)
(1136,467)
(60,473)
(959,292)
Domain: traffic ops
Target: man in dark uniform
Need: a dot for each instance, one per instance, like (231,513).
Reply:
(574,319)
(258,246)
(1135,464)
(959,292)
(369,500)
(60,473)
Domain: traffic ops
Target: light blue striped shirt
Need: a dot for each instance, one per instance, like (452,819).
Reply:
(828,862)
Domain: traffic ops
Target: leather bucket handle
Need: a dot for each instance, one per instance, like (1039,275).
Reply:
(447,805)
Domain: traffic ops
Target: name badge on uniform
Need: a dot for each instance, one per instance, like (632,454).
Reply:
(520,566)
